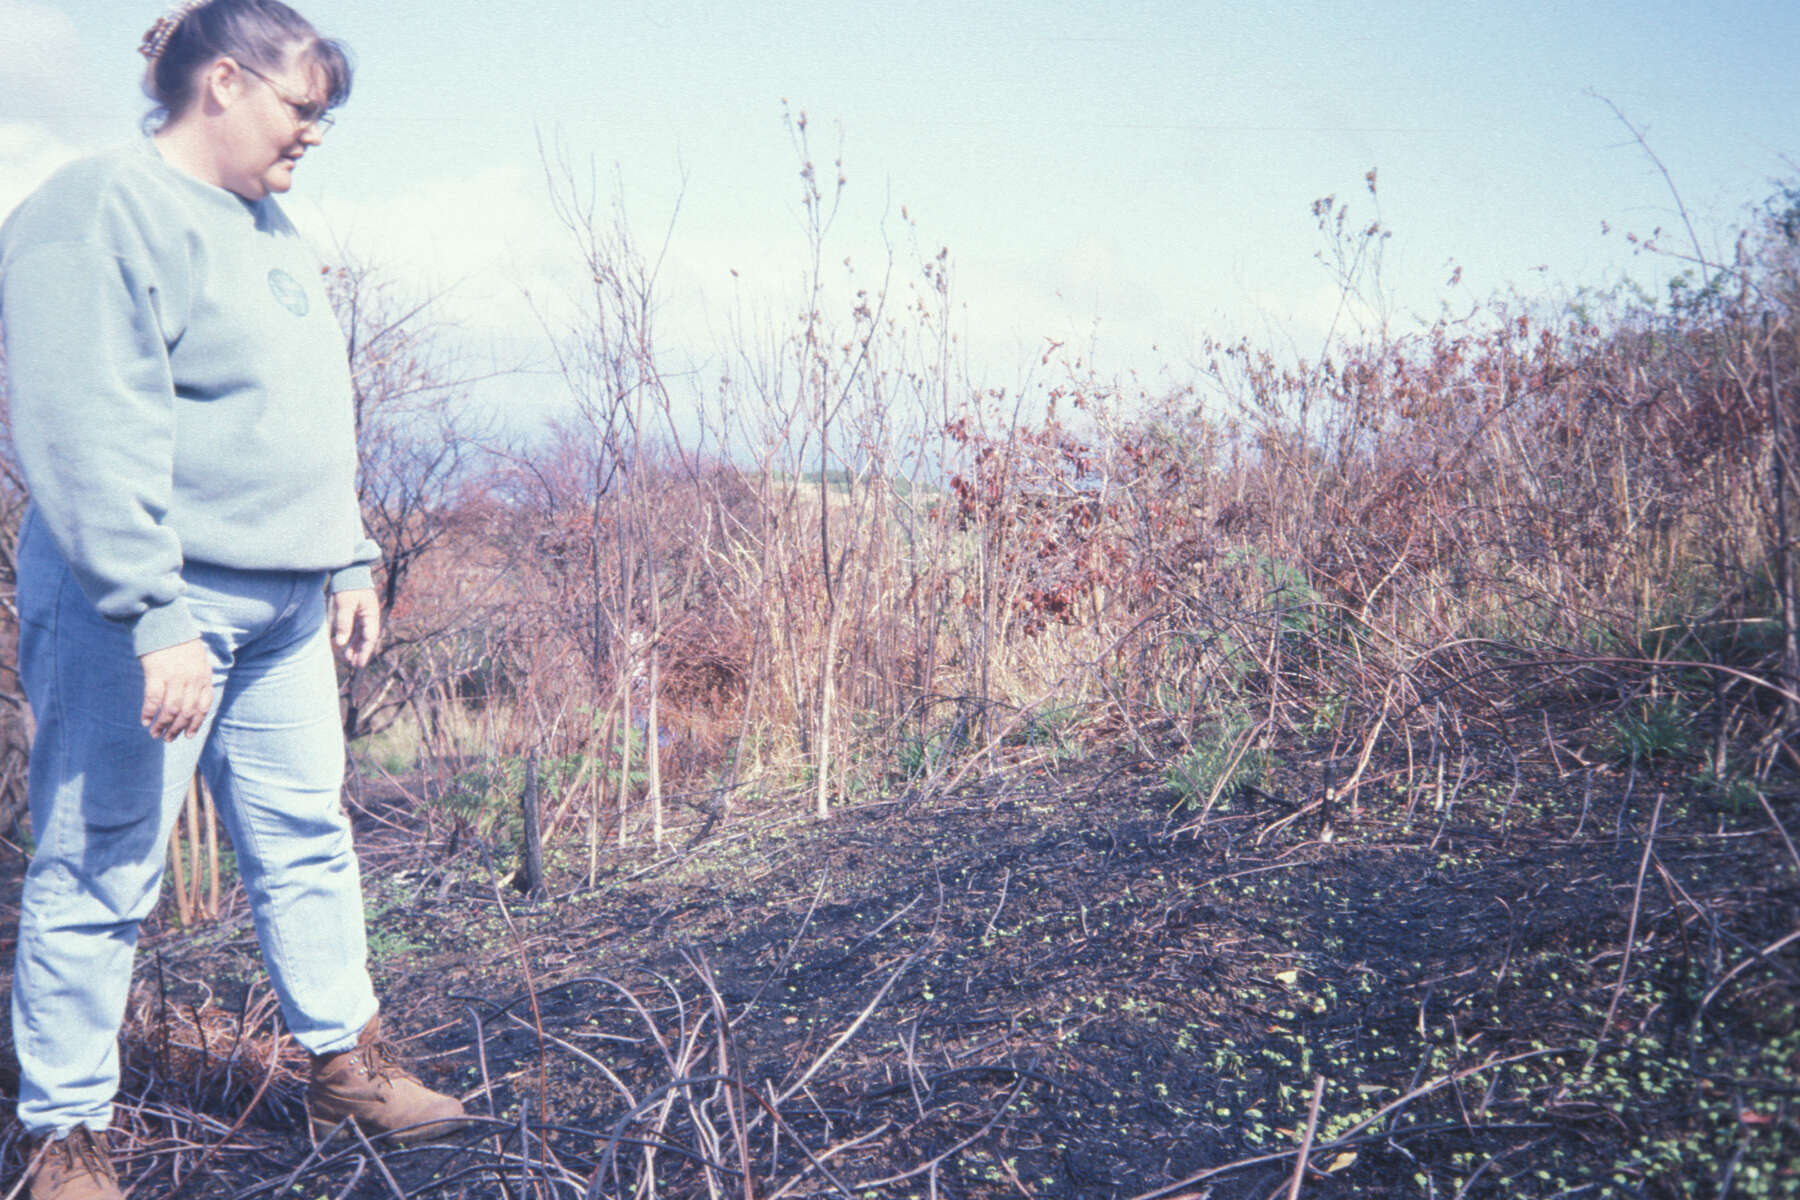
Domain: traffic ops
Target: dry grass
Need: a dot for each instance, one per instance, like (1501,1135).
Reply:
(1415,536)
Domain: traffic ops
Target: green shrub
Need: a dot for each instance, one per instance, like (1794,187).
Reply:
(1649,730)
(1221,761)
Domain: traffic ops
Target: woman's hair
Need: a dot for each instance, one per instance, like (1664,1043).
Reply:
(258,33)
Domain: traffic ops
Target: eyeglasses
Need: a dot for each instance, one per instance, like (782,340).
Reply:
(305,113)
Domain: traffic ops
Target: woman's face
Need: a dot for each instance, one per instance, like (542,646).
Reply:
(271,125)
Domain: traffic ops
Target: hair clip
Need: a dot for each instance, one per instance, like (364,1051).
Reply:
(157,39)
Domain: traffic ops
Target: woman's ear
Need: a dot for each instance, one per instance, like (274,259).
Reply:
(221,83)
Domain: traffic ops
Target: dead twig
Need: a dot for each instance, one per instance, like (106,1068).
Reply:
(1712,993)
(1780,829)
(375,1156)
(1637,900)
(1306,1139)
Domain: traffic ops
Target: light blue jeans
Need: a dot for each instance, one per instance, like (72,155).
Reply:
(105,796)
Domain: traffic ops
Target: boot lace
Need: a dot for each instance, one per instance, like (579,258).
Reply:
(381,1060)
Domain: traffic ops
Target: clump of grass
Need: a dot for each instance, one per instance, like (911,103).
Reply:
(1650,730)
(919,755)
(1726,792)
(1219,763)
(1055,731)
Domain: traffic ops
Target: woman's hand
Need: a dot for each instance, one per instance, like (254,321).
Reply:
(178,690)
(355,624)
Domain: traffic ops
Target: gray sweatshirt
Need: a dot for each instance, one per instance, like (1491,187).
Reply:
(179,387)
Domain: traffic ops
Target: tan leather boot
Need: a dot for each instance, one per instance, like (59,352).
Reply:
(77,1167)
(368,1083)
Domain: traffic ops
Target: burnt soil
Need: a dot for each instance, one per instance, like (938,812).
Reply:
(1057,983)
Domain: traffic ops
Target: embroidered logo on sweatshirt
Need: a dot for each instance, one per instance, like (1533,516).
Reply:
(288,292)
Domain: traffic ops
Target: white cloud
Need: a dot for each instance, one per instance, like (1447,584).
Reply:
(51,105)
(480,243)
(28,154)
(40,56)
(489,245)
(40,42)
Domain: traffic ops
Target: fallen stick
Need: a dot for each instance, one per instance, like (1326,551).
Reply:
(1306,1139)
(1637,901)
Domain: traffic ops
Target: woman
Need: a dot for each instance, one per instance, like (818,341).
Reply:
(182,409)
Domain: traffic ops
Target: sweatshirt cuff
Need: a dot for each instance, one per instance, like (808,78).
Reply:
(159,628)
(351,578)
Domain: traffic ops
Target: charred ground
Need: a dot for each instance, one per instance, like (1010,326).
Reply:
(1058,983)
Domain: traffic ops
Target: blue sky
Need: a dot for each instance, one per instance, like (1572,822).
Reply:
(1128,177)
